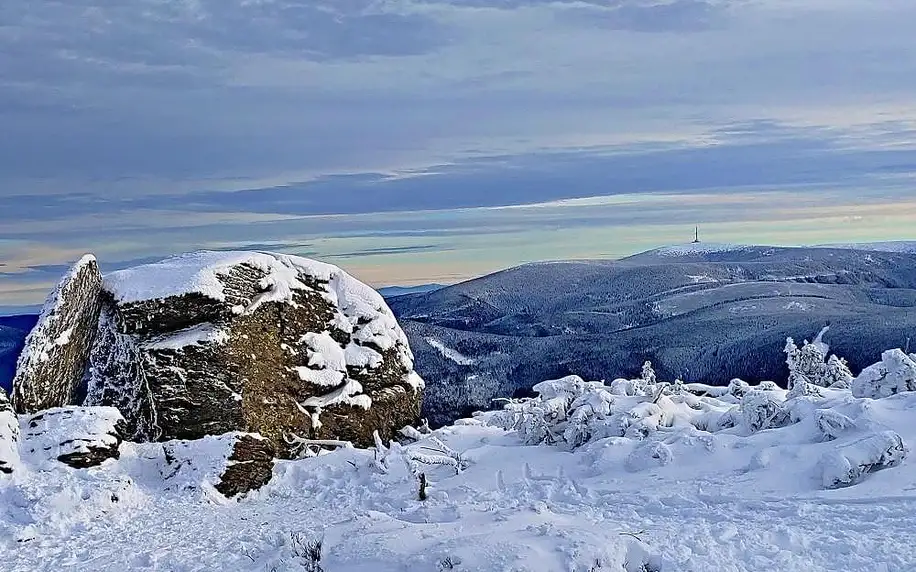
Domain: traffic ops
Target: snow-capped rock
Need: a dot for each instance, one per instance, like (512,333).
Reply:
(216,342)
(9,436)
(232,464)
(52,363)
(77,436)
(895,373)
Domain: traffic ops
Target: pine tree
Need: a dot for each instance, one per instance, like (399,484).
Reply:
(648,374)
(837,375)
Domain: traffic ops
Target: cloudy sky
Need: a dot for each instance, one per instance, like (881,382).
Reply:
(414,141)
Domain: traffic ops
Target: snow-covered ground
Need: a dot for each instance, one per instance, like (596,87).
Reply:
(903,246)
(664,496)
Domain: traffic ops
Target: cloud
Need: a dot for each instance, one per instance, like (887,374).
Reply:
(377,132)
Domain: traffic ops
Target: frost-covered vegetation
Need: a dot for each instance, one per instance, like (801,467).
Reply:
(570,412)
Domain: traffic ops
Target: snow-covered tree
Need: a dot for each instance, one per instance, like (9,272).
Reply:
(895,373)
(837,375)
(648,373)
(810,365)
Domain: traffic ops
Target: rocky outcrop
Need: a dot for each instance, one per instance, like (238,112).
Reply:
(232,464)
(51,366)
(215,342)
(249,467)
(81,437)
(9,436)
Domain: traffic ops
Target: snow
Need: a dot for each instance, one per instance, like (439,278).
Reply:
(200,334)
(64,338)
(682,500)
(9,437)
(347,394)
(61,431)
(895,373)
(899,246)
(199,273)
(449,353)
(631,476)
(694,248)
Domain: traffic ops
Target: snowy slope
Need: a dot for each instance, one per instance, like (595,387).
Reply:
(676,499)
(392,291)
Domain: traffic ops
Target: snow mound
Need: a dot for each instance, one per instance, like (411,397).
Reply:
(849,464)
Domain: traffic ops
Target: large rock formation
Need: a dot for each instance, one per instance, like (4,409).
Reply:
(51,366)
(9,436)
(216,342)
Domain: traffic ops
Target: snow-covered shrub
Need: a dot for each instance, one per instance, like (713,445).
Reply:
(837,375)
(848,465)
(571,412)
(832,423)
(895,373)
(737,387)
(630,387)
(803,388)
(763,410)
(651,416)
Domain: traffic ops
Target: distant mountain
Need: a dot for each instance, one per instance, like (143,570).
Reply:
(702,312)
(905,246)
(392,291)
(13,330)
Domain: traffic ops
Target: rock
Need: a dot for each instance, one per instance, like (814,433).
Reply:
(232,464)
(216,342)
(895,373)
(77,436)
(9,436)
(850,464)
(53,361)
(250,466)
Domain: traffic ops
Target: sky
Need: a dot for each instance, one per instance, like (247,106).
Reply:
(415,141)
